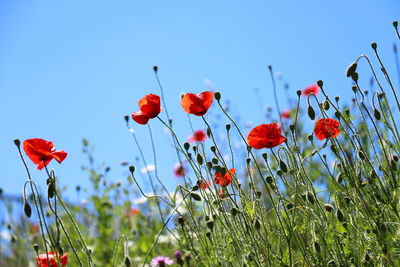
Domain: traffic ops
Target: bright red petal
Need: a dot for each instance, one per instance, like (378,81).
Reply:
(150,105)
(140,117)
(59,155)
(197,104)
(265,136)
(325,128)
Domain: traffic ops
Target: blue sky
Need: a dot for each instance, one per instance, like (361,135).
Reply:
(72,69)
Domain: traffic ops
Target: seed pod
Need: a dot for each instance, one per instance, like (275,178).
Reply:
(311,112)
(195,196)
(27,209)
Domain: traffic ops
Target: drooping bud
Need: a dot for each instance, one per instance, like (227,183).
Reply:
(27,209)
(351,69)
(311,112)
(328,207)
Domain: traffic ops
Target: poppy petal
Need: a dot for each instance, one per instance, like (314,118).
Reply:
(140,117)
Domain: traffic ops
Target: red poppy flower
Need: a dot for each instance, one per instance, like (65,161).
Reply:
(41,152)
(221,193)
(224,180)
(179,170)
(312,89)
(197,104)
(42,261)
(266,136)
(285,114)
(131,212)
(205,185)
(325,128)
(198,136)
(149,106)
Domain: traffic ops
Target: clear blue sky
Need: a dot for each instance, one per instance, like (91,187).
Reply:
(72,69)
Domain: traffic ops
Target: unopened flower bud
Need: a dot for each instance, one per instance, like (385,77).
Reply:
(217,96)
(351,69)
(132,169)
(155,68)
(17,142)
(374,45)
(320,83)
(328,207)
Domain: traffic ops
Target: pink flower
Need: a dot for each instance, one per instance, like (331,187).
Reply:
(161,261)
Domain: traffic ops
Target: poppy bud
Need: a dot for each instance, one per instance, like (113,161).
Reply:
(234,212)
(51,189)
(212,148)
(17,142)
(326,105)
(354,76)
(338,114)
(310,137)
(340,215)
(126,118)
(361,155)
(298,92)
(374,45)
(36,247)
(208,234)
(1,192)
(258,194)
(269,179)
(328,207)
(395,24)
(27,209)
(228,127)
(310,197)
(195,196)
(186,146)
(283,166)
(210,225)
(351,69)
(337,98)
(289,206)
(311,112)
(395,158)
(208,132)
(132,169)
(214,160)
(320,83)
(209,165)
(248,160)
(181,221)
(78,188)
(155,68)
(317,247)
(292,127)
(127,262)
(257,225)
(264,155)
(377,114)
(279,172)
(217,96)
(199,159)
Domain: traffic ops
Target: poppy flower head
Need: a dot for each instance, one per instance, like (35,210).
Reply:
(325,128)
(179,170)
(41,152)
(285,114)
(197,104)
(265,136)
(198,136)
(149,107)
(132,212)
(226,179)
(205,185)
(312,89)
(51,259)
